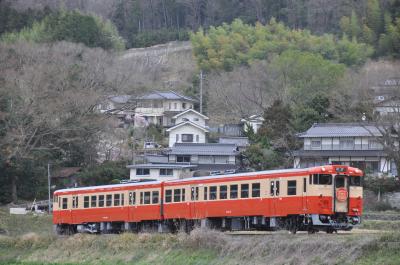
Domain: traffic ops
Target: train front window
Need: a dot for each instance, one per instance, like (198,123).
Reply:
(355,181)
(322,179)
(339,181)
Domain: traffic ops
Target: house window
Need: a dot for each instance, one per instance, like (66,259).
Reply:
(346,144)
(166,172)
(291,189)
(169,105)
(187,138)
(183,105)
(177,138)
(374,145)
(185,119)
(142,171)
(175,105)
(183,159)
(315,144)
(196,119)
(197,138)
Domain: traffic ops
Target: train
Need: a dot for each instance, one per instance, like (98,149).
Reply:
(324,198)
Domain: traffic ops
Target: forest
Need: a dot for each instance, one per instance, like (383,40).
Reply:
(308,60)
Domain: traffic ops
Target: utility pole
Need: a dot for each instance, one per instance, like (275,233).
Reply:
(201,91)
(48,182)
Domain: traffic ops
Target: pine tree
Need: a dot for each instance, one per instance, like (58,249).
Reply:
(374,17)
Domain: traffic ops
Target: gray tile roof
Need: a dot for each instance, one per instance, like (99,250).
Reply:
(341,130)
(238,141)
(342,153)
(156,166)
(203,149)
(122,99)
(166,95)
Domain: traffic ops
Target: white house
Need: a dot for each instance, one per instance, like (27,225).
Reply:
(159,107)
(160,172)
(344,143)
(254,121)
(190,127)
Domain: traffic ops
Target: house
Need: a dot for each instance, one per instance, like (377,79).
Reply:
(241,142)
(160,172)
(66,177)
(207,156)
(159,107)
(351,144)
(254,121)
(190,127)
(386,97)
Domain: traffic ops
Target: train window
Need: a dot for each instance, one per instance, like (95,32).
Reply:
(122,199)
(205,193)
(93,201)
(291,187)
(154,197)
(277,188)
(65,203)
(146,199)
(339,181)
(194,193)
(305,185)
(183,195)
(75,202)
(109,200)
(168,196)
(86,202)
(244,191)
(141,198)
(59,202)
(177,195)
(213,192)
(310,179)
(223,192)
(234,192)
(322,179)
(101,200)
(355,181)
(116,199)
(255,190)
(132,198)
(272,187)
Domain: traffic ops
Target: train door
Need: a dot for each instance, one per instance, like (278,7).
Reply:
(194,197)
(132,205)
(341,194)
(304,195)
(274,193)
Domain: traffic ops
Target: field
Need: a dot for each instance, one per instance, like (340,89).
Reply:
(29,240)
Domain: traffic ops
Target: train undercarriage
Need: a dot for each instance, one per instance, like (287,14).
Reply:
(311,223)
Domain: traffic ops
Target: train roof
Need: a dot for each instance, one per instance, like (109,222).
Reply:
(327,169)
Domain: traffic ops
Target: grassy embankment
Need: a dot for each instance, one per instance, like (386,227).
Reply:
(29,240)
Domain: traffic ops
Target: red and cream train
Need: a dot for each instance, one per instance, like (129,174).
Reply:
(326,198)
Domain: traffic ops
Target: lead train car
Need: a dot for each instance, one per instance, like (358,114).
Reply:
(327,198)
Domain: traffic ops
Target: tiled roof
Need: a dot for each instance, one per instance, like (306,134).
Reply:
(122,99)
(166,95)
(203,149)
(341,130)
(189,123)
(239,141)
(337,153)
(156,166)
